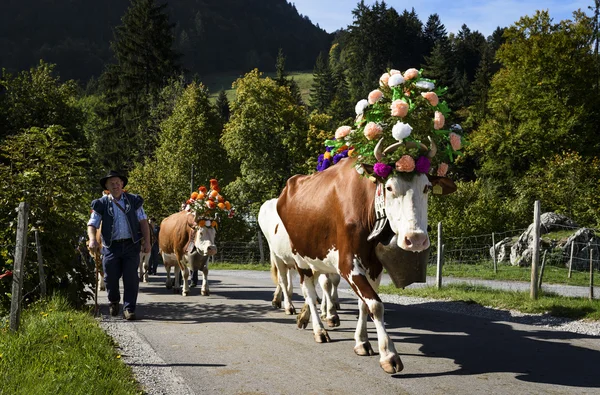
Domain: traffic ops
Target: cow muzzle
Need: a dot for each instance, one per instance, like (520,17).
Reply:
(414,241)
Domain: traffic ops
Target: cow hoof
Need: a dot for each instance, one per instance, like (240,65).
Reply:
(290,310)
(185,293)
(333,321)
(102,288)
(301,321)
(364,349)
(322,337)
(276,304)
(205,292)
(392,365)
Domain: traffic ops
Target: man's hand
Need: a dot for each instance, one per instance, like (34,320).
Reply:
(146,248)
(93,246)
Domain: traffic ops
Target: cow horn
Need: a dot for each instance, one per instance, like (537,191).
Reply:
(378,151)
(432,149)
(392,148)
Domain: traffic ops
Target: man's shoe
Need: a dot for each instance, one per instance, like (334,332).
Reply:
(114,309)
(129,315)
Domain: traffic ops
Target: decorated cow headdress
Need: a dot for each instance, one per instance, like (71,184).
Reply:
(400,128)
(207,203)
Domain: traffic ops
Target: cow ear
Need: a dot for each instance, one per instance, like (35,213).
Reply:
(441,185)
(367,170)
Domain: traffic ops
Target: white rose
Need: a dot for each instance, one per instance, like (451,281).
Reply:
(360,106)
(395,80)
(425,85)
(401,130)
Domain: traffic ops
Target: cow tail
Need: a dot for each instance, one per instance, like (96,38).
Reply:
(274,273)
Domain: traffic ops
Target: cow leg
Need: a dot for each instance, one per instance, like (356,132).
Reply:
(101,281)
(186,284)
(204,290)
(335,283)
(370,303)
(285,285)
(328,311)
(176,275)
(168,283)
(310,295)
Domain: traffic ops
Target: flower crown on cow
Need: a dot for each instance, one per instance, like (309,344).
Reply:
(208,203)
(406,116)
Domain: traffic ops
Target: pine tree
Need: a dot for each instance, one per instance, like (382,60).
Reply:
(433,33)
(323,87)
(145,61)
(222,105)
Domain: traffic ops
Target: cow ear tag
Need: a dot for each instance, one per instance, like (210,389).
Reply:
(437,189)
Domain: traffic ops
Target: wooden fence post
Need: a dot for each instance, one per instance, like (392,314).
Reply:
(494,253)
(533,289)
(440,257)
(571,258)
(260,246)
(20,255)
(40,259)
(591,273)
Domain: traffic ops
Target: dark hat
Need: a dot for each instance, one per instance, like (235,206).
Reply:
(112,173)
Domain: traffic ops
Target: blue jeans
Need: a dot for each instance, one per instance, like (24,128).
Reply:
(122,259)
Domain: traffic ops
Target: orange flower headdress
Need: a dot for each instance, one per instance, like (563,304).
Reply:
(209,203)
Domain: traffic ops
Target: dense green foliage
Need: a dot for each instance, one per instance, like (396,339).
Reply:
(58,350)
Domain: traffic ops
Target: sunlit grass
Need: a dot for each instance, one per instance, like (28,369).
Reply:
(485,271)
(559,306)
(61,351)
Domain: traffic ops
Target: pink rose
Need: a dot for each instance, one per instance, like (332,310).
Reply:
(399,108)
(406,164)
(431,97)
(372,131)
(394,71)
(442,169)
(410,74)
(342,132)
(455,141)
(375,96)
(438,120)
(383,80)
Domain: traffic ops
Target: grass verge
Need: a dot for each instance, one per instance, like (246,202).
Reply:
(61,351)
(555,305)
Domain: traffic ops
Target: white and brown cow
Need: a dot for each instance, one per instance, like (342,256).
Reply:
(186,242)
(329,216)
(282,264)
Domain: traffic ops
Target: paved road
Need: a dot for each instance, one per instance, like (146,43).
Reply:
(233,342)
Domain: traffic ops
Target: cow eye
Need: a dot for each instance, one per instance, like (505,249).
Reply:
(389,188)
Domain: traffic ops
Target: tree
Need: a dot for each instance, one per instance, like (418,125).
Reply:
(282,78)
(433,33)
(266,137)
(145,61)
(540,101)
(37,98)
(222,105)
(322,90)
(42,167)
(189,136)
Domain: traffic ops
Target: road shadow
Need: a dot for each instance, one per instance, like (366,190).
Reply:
(480,345)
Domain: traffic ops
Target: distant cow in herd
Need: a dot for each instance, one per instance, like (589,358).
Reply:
(329,216)
(186,242)
(282,264)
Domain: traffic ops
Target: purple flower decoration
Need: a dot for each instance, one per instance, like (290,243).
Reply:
(382,170)
(339,156)
(326,164)
(422,165)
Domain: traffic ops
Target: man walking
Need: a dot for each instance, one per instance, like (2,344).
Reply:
(122,222)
